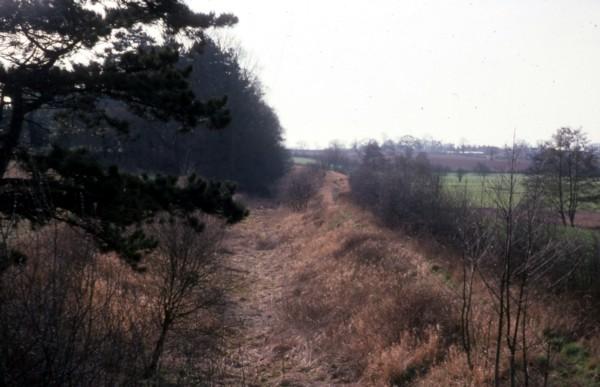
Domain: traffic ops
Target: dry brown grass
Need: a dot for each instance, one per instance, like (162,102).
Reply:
(404,361)
(359,295)
(380,308)
(327,297)
(94,316)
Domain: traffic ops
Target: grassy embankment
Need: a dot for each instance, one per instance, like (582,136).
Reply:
(358,303)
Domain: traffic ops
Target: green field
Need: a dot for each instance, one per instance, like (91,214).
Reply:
(303,160)
(481,189)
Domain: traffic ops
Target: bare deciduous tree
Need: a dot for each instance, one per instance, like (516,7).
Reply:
(475,238)
(565,166)
(183,273)
(300,186)
(525,254)
(334,157)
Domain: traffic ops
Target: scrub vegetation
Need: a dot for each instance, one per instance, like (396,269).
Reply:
(154,230)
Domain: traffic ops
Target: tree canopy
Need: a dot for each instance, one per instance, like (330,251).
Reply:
(250,152)
(67,58)
(566,169)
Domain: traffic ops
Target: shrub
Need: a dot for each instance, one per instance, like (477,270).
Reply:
(65,318)
(70,316)
(404,192)
(182,283)
(300,186)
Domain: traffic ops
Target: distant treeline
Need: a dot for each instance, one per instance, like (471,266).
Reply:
(443,157)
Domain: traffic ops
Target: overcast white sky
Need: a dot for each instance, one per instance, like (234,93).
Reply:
(451,69)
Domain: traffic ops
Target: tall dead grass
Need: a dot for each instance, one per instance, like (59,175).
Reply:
(360,297)
(300,186)
(72,316)
(379,308)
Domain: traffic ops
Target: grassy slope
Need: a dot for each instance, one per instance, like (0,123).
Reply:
(327,297)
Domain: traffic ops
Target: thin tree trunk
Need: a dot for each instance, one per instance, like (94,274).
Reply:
(524,343)
(505,281)
(547,367)
(512,342)
(499,333)
(561,199)
(158,348)
(466,310)
(572,187)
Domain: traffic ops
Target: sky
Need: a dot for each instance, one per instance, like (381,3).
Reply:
(458,71)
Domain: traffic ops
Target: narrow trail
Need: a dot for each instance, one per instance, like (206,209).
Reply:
(257,272)
(261,351)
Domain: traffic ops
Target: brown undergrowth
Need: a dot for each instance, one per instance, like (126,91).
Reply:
(377,307)
(314,297)
(367,302)
(73,316)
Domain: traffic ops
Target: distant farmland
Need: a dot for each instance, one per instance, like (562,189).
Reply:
(304,160)
(451,161)
(456,161)
(481,189)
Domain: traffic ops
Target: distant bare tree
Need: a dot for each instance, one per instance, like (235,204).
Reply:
(460,173)
(565,167)
(492,151)
(404,191)
(334,157)
(525,254)
(482,169)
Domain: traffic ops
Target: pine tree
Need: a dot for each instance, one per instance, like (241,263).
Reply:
(69,57)
(250,152)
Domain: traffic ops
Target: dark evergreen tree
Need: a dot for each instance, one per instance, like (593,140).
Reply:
(71,57)
(250,152)
(255,154)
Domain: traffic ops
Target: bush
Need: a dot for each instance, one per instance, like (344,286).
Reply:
(300,186)
(65,318)
(182,283)
(403,192)
(70,316)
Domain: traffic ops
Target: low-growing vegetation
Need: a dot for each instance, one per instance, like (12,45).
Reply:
(300,186)
(71,316)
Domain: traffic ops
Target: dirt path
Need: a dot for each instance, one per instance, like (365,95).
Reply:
(259,352)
